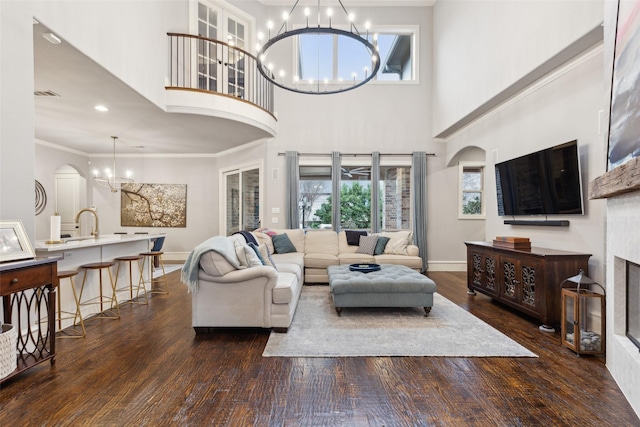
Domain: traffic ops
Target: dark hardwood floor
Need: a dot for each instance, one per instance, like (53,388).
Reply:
(149,368)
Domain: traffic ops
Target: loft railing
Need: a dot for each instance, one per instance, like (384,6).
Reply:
(207,65)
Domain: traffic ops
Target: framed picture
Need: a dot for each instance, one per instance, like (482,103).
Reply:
(14,242)
(624,121)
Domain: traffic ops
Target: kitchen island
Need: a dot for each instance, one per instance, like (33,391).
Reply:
(77,251)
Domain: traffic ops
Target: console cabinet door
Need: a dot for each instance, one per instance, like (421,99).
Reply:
(484,272)
(520,282)
(531,284)
(511,279)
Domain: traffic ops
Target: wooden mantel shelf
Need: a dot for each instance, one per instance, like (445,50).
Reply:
(621,180)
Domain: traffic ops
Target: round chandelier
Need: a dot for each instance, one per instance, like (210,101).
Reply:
(109,179)
(324,59)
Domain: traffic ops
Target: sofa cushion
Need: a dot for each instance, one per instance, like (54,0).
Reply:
(321,242)
(367,245)
(320,260)
(285,288)
(353,236)
(282,244)
(414,262)
(398,241)
(355,258)
(215,264)
(381,243)
(343,246)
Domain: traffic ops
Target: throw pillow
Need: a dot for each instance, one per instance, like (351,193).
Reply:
(266,256)
(257,251)
(282,244)
(252,258)
(397,245)
(380,245)
(353,236)
(367,245)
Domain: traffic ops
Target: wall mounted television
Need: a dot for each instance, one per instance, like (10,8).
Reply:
(546,182)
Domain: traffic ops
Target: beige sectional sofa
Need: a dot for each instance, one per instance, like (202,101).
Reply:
(225,295)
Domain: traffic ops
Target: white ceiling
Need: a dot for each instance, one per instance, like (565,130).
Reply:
(141,127)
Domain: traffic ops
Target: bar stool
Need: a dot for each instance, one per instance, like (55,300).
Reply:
(130,259)
(114,311)
(71,331)
(150,257)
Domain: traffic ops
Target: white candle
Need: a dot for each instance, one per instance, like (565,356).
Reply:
(55,228)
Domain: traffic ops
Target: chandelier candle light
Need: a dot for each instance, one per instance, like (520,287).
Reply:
(326,59)
(110,180)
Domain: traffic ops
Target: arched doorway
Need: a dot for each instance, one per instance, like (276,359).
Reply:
(70,193)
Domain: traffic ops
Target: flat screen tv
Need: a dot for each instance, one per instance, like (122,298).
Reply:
(546,182)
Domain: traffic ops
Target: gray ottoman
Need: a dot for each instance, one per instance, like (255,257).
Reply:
(392,286)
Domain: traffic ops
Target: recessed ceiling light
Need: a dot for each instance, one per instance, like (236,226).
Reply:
(52,38)
(101,108)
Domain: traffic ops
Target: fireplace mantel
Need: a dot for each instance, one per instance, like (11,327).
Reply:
(621,180)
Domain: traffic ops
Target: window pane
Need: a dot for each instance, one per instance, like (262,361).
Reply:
(355,197)
(311,47)
(353,58)
(251,199)
(395,203)
(315,197)
(233,204)
(395,56)
(471,203)
(472,179)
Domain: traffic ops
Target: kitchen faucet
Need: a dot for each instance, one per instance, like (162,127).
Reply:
(96,231)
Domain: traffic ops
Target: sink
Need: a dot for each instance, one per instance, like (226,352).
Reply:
(75,239)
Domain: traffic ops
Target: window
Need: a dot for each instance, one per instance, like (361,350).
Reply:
(241,190)
(315,196)
(471,199)
(397,50)
(395,197)
(315,204)
(355,197)
(219,20)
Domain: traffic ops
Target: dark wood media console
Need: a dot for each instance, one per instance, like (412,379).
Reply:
(527,280)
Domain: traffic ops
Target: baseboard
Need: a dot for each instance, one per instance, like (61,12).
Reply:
(447,266)
(173,257)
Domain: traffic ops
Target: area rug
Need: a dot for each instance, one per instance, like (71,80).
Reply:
(448,331)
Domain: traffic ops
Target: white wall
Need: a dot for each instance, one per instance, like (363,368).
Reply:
(623,230)
(560,107)
(48,160)
(128,38)
(485,46)
(17,165)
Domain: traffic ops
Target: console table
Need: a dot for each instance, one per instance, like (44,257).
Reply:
(28,288)
(527,280)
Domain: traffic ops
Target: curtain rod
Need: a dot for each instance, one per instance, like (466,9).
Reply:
(356,154)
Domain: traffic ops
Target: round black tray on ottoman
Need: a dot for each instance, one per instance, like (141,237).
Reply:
(364,268)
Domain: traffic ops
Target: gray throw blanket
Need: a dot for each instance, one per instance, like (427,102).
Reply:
(219,244)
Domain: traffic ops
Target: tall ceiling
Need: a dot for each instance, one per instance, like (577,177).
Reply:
(70,120)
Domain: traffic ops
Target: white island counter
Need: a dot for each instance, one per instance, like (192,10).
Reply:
(77,251)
